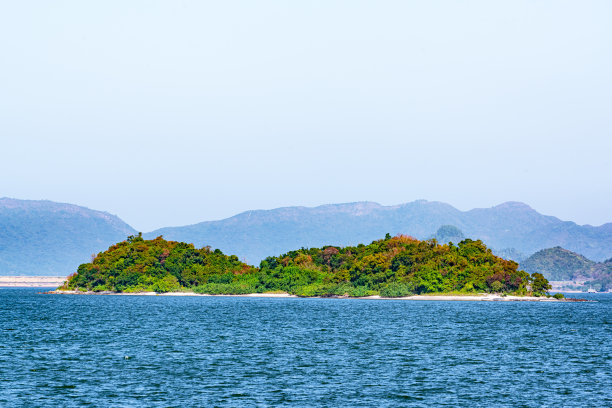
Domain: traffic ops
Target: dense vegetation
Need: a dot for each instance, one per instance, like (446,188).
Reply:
(399,266)
(391,267)
(558,264)
(157,265)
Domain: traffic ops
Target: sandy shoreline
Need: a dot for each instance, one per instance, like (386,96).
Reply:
(31,281)
(193,294)
(469,298)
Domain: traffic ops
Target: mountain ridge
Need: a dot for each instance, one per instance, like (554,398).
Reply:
(45,237)
(503,226)
(42,237)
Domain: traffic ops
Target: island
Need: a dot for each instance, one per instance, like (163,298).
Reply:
(392,267)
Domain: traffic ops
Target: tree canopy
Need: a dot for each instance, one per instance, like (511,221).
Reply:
(137,265)
(390,267)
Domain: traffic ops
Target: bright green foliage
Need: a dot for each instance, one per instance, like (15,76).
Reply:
(395,289)
(157,265)
(390,267)
(393,267)
(539,284)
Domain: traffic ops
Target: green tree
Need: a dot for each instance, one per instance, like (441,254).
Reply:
(539,284)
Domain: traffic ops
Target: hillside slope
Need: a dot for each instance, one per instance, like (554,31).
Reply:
(48,238)
(558,264)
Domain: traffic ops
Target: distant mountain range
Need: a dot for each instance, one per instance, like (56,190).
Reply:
(47,238)
(511,228)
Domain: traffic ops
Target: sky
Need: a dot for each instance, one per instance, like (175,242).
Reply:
(175,112)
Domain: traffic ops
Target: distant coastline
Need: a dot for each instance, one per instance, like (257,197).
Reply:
(478,297)
(31,281)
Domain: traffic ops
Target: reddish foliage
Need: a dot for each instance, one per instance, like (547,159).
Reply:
(163,256)
(400,239)
(328,253)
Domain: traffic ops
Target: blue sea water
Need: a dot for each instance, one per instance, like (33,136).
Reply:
(148,351)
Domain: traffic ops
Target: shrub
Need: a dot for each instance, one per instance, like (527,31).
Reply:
(559,296)
(168,283)
(395,289)
(539,284)
(225,289)
(361,291)
(342,289)
(311,290)
(496,286)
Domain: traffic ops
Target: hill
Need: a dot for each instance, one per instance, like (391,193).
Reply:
(138,265)
(514,228)
(558,264)
(48,238)
(448,233)
(390,267)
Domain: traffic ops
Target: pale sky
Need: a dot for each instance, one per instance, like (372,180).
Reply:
(175,112)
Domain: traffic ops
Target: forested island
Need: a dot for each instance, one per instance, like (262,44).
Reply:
(390,267)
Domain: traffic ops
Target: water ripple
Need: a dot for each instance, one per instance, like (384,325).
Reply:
(137,351)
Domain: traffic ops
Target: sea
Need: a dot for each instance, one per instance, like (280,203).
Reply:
(160,351)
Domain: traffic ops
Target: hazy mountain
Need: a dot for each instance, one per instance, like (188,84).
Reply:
(449,233)
(47,238)
(518,228)
(510,253)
